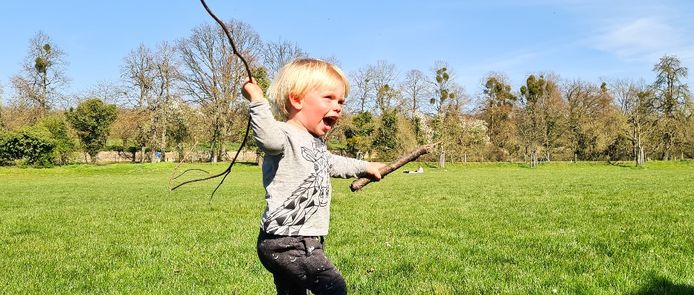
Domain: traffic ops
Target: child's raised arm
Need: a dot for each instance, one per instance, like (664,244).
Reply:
(267,133)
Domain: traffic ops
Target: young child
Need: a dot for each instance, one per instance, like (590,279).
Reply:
(309,94)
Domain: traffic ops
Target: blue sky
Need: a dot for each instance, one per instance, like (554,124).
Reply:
(588,40)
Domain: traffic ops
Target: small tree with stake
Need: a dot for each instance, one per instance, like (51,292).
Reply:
(92,120)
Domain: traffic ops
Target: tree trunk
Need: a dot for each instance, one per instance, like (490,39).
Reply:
(666,154)
(153,140)
(641,157)
(44,95)
(164,122)
(442,157)
(163,145)
(213,157)
(180,153)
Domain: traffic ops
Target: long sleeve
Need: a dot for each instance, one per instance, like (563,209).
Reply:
(268,135)
(344,167)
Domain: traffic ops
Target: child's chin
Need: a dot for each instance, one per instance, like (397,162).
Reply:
(323,130)
(319,132)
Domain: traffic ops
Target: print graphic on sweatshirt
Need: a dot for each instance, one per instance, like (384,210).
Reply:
(306,199)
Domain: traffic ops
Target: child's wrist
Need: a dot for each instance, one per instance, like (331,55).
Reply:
(257,99)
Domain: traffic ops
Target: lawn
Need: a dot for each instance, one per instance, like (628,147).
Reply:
(477,228)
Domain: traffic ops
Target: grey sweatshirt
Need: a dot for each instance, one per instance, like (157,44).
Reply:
(296,175)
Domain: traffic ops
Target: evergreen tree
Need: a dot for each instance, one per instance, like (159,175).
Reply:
(92,120)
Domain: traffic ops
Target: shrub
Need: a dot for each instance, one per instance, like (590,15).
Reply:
(59,132)
(27,147)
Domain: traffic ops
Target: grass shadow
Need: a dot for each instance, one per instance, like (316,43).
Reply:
(661,285)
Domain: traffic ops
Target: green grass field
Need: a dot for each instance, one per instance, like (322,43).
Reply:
(477,228)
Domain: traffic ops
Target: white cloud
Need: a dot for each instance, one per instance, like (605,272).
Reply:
(643,39)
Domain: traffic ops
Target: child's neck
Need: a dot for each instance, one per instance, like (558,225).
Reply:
(295,122)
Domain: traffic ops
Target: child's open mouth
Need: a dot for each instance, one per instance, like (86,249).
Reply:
(330,121)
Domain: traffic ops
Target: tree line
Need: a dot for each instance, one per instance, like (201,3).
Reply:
(184,96)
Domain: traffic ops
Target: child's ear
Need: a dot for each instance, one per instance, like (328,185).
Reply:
(295,101)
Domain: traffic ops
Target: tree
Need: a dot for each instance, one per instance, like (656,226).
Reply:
(153,77)
(459,100)
(139,73)
(689,131)
(166,77)
(386,141)
(43,74)
(539,116)
(637,104)
(2,122)
(126,128)
(592,121)
(468,136)
(415,90)
(62,139)
(442,94)
(387,98)
(113,92)
(442,88)
(672,95)
(358,133)
(421,128)
(178,131)
(497,111)
(212,77)
(374,88)
(92,120)
(361,90)
(18,114)
(277,54)
(554,112)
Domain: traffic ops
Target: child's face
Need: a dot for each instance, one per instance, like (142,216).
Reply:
(320,109)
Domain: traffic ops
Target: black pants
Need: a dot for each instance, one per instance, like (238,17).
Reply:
(298,264)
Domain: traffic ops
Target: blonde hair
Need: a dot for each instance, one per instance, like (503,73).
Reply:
(301,76)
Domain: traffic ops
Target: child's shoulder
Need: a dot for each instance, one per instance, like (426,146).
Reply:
(294,131)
